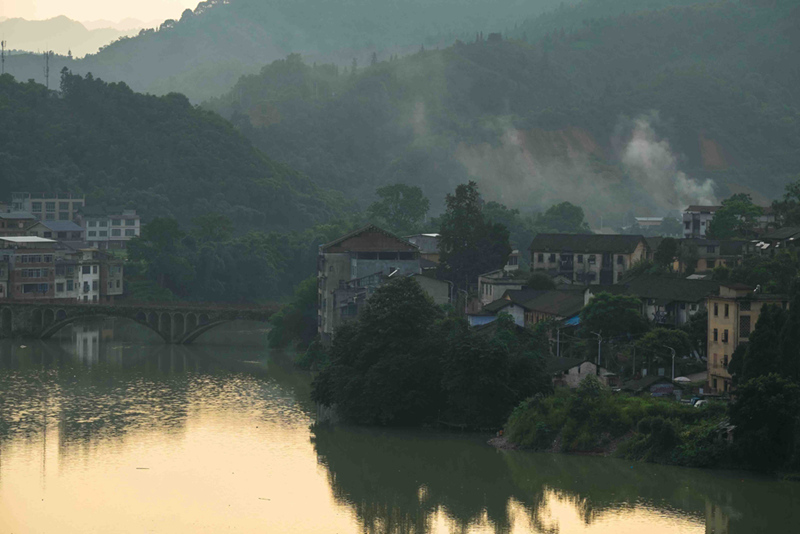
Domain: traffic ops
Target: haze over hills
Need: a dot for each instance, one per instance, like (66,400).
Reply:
(204,52)
(59,34)
(648,111)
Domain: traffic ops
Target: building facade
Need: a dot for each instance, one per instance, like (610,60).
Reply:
(15,223)
(58,230)
(732,316)
(352,267)
(49,206)
(585,258)
(112,231)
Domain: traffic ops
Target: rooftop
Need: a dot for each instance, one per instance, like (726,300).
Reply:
(669,289)
(370,228)
(783,233)
(26,239)
(644,383)
(616,243)
(61,226)
(16,215)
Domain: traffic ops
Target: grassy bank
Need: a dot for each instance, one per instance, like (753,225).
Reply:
(595,420)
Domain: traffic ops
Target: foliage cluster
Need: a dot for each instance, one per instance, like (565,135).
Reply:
(404,362)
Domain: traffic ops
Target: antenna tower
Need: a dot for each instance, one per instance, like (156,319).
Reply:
(2,57)
(47,68)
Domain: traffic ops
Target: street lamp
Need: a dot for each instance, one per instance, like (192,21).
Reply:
(673,361)
(599,340)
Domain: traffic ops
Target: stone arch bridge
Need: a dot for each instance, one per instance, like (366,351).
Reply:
(179,324)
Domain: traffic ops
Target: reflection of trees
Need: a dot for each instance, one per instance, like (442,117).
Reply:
(396,482)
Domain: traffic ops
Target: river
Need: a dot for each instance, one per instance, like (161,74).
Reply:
(106,429)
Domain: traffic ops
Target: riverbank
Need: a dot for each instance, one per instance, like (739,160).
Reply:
(602,423)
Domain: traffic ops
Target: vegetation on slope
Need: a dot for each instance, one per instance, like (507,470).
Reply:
(159,155)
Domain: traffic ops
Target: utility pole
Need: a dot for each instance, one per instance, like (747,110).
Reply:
(558,342)
(47,68)
(634,361)
(2,57)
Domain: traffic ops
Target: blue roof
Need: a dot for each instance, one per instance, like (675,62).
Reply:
(573,321)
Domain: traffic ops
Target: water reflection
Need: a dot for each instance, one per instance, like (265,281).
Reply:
(101,430)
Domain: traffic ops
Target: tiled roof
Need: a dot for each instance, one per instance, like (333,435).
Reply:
(644,383)
(669,289)
(591,243)
(561,303)
(783,233)
(62,226)
(16,215)
(367,228)
(559,365)
(699,209)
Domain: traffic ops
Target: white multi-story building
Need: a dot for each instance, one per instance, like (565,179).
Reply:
(111,231)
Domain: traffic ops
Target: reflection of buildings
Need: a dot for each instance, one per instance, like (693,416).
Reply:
(86,340)
(717,521)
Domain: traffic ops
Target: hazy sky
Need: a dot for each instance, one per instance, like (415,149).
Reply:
(88,10)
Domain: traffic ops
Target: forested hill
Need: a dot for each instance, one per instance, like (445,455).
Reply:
(636,110)
(159,155)
(203,53)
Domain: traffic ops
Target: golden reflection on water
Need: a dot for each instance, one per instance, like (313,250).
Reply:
(103,436)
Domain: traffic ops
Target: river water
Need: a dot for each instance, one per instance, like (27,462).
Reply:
(106,429)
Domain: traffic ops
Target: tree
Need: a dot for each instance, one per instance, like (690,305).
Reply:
(564,218)
(656,344)
(697,330)
(297,321)
(540,281)
(765,416)
(763,353)
(382,367)
(613,316)
(469,244)
(212,227)
(736,218)
(671,227)
(161,248)
(687,257)
(787,211)
(790,342)
(401,208)
(666,253)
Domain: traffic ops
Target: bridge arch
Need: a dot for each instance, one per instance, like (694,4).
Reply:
(165,326)
(61,315)
(37,318)
(59,325)
(49,317)
(178,325)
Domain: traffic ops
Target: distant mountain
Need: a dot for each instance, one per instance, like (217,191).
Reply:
(159,155)
(60,34)
(125,25)
(204,52)
(639,111)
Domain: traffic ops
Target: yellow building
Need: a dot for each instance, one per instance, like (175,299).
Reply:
(732,316)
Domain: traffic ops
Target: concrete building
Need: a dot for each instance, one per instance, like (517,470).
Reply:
(428,245)
(58,230)
(530,306)
(732,316)
(49,206)
(15,223)
(492,285)
(771,243)
(570,372)
(665,300)
(29,261)
(712,253)
(697,218)
(350,268)
(110,231)
(587,258)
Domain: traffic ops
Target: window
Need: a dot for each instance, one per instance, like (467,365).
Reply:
(92,223)
(725,361)
(744,326)
(118,284)
(115,232)
(48,235)
(116,222)
(95,285)
(63,215)
(63,206)
(92,233)
(50,206)
(94,298)
(716,309)
(132,233)
(36,206)
(86,269)
(687,225)
(727,309)
(725,336)
(103,223)
(580,258)
(620,260)
(541,258)
(715,383)
(711,249)
(711,264)
(744,305)
(59,288)
(552,258)
(130,222)
(94,269)
(592,259)
(103,233)
(70,285)
(716,335)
